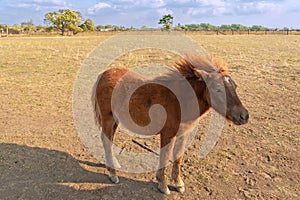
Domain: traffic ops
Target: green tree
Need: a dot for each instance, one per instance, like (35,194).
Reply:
(28,27)
(178,27)
(65,20)
(144,27)
(244,28)
(75,29)
(116,28)
(88,25)
(166,21)
(235,27)
(286,28)
(3,27)
(258,28)
(193,27)
(99,27)
(108,26)
(16,27)
(41,28)
(225,27)
(123,28)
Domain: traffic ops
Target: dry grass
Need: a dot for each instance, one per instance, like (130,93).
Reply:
(37,76)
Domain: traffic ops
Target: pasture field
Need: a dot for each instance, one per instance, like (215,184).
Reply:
(42,157)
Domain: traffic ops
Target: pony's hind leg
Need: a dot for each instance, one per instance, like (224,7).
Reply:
(167,144)
(109,127)
(179,184)
(178,157)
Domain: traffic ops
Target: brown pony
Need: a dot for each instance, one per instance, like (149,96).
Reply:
(212,88)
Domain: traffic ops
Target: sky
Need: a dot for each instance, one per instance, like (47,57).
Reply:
(269,13)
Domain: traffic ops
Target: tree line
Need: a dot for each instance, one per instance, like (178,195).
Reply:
(167,22)
(70,22)
(224,27)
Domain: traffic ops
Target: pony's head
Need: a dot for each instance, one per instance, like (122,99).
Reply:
(220,91)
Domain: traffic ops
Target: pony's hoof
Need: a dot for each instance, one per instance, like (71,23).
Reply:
(180,186)
(114,179)
(163,188)
(180,189)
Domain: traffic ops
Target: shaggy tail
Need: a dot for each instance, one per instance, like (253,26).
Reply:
(95,104)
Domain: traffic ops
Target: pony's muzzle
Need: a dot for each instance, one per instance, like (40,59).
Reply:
(239,115)
(244,116)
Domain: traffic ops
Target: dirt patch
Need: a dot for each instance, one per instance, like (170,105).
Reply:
(41,156)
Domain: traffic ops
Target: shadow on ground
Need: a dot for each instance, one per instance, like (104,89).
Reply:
(38,173)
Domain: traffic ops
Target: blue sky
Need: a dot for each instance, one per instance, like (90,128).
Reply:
(270,13)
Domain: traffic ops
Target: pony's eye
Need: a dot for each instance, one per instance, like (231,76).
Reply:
(227,79)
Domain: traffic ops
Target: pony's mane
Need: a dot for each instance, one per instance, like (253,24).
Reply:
(186,66)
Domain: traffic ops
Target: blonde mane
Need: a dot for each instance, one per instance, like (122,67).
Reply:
(186,66)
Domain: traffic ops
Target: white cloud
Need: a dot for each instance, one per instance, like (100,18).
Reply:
(221,11)
(137,4)
(153,3)
(36,7)
(94,9)
(211,2)
(39,5)
(197,12)
(164,11)
(55,2)
(256,7)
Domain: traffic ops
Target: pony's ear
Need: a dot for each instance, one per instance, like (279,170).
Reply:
(202,75)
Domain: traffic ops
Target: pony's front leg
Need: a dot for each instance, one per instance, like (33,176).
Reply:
(167,144)
(178,157)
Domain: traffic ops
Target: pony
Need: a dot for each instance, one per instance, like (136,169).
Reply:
(212,88)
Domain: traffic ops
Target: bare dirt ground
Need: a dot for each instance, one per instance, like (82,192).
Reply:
(42,157)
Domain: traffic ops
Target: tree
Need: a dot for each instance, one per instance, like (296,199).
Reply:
(65,20)
(100,27)
(28,27)
(166,21)
(16,28)
(178,27)
(4,28)
(108,26)
(88,25)
(258,28)
(41,28)
(144,27)
(192,27)
(225,27)
(75,29)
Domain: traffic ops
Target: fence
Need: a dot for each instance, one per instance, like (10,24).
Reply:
(248,32)
(273,32)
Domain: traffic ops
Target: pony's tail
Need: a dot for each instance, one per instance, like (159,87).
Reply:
(95,104)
